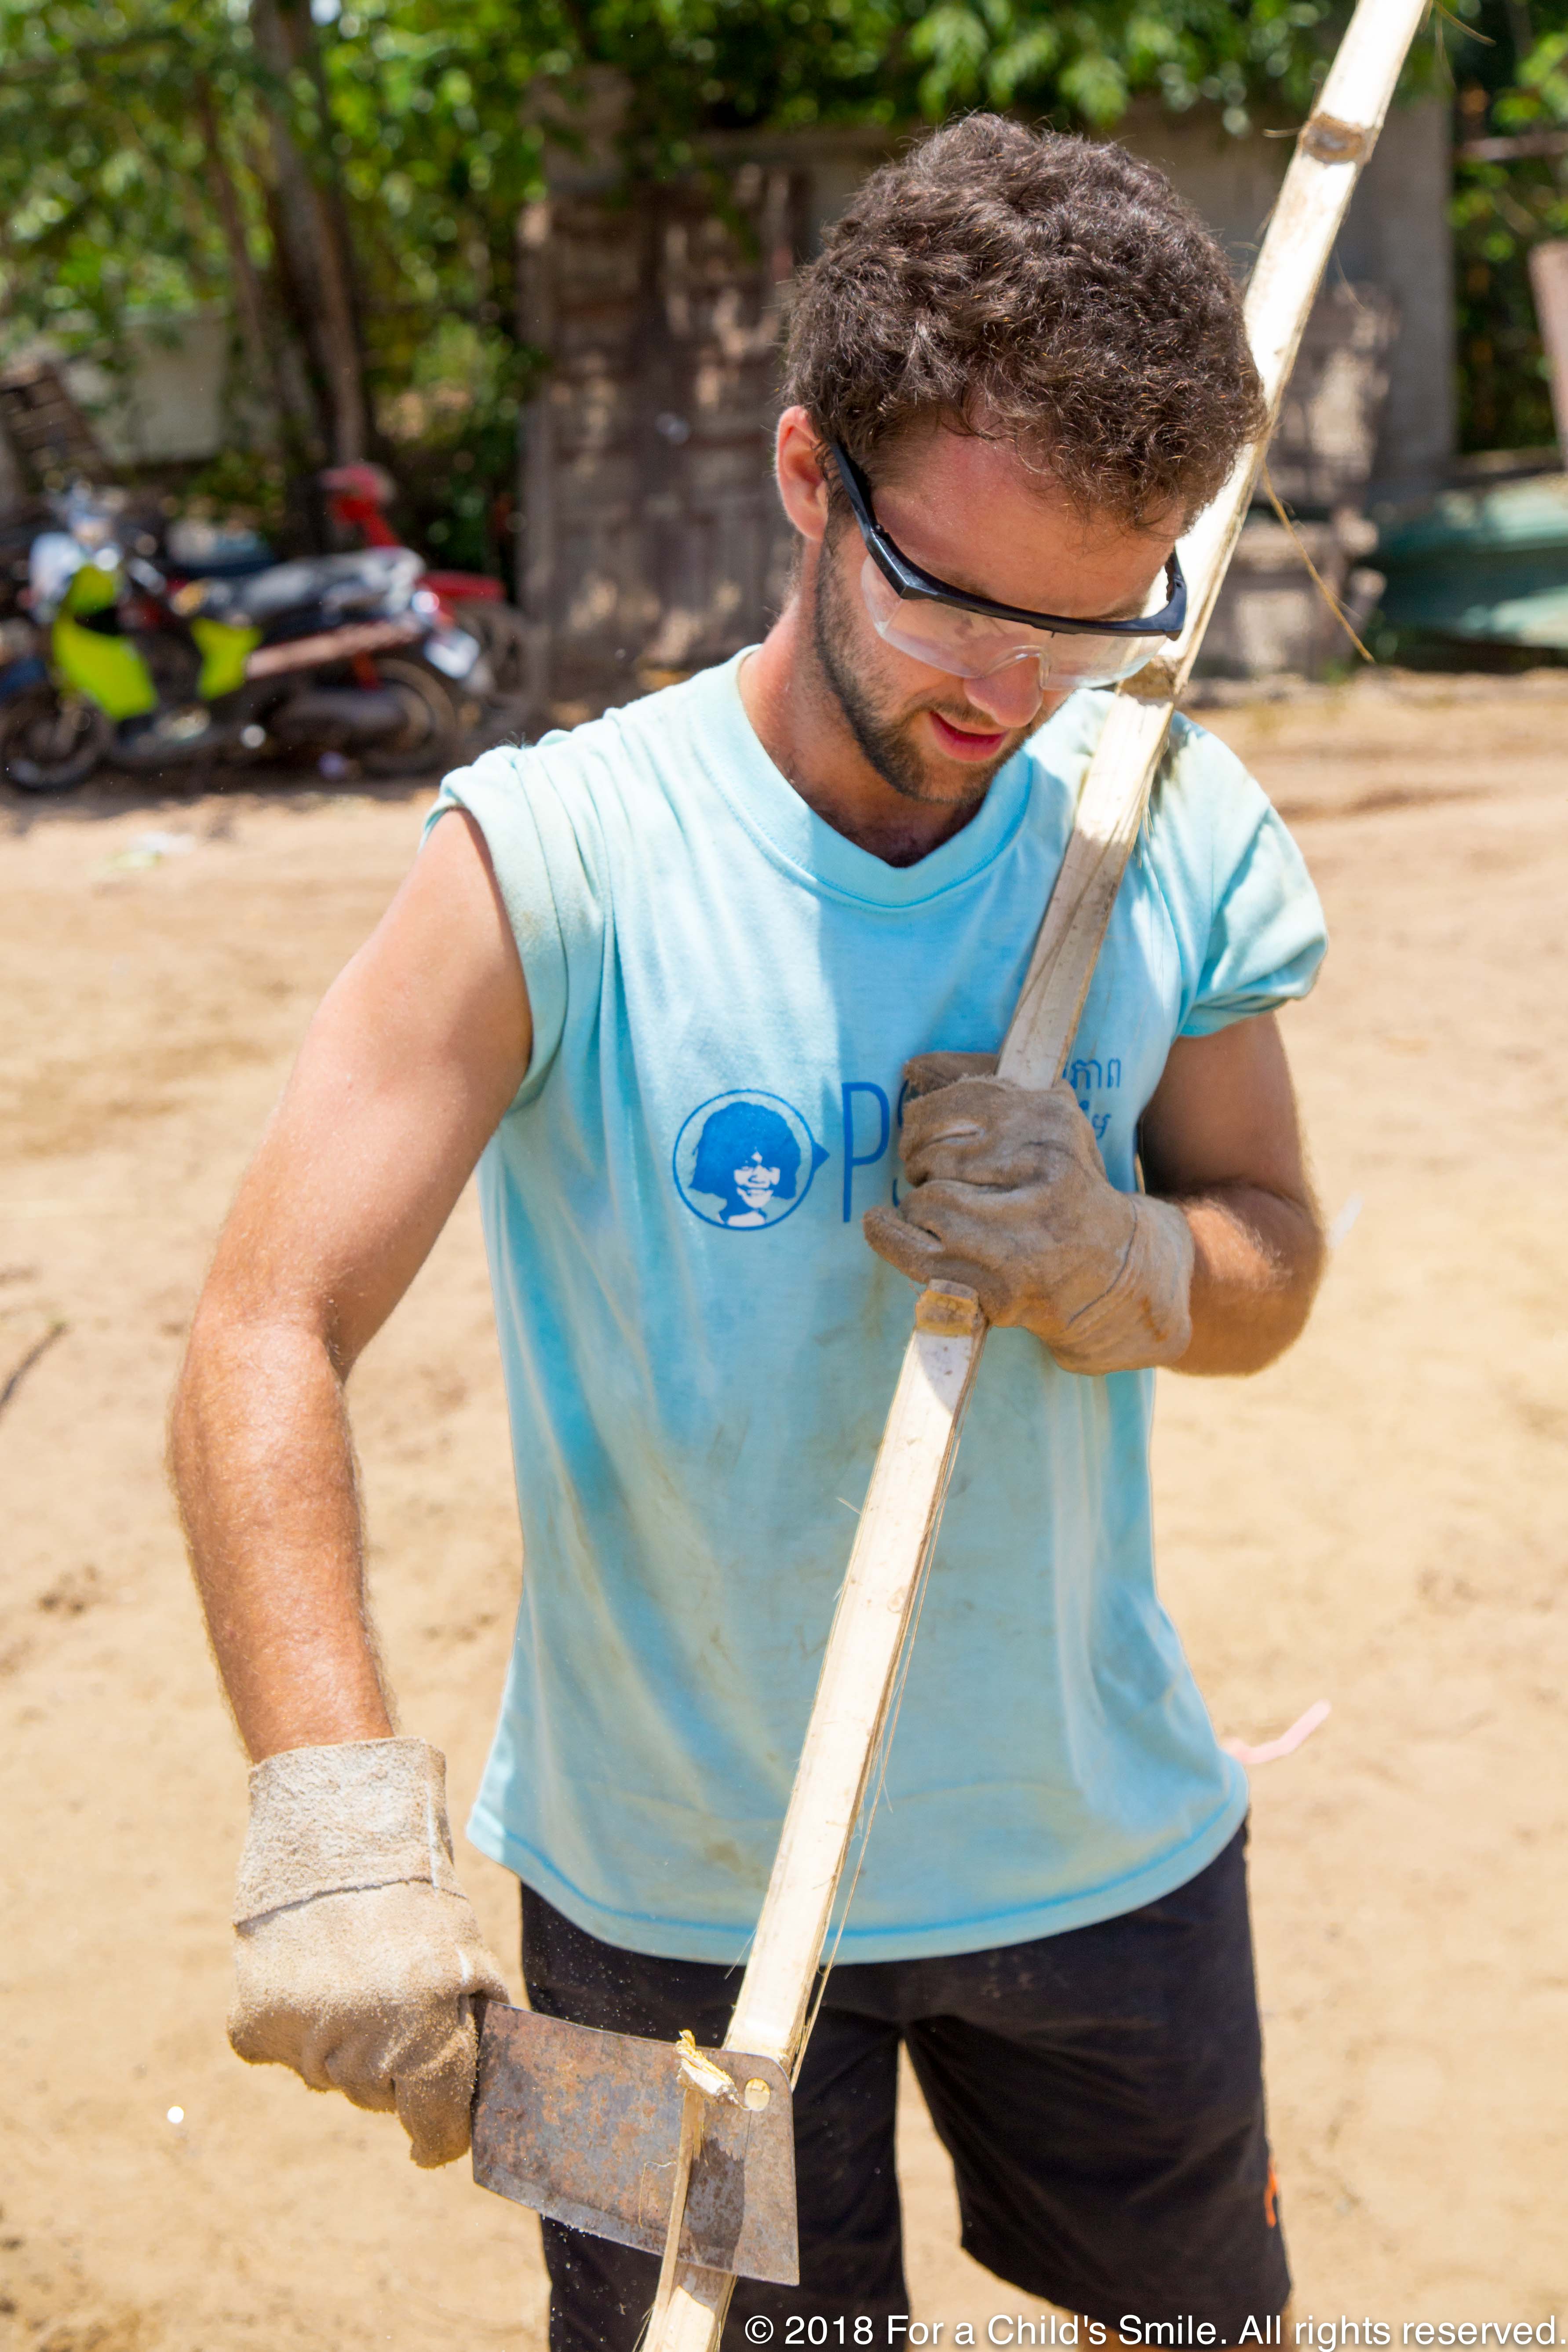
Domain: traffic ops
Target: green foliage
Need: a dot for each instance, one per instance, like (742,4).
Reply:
(1089,62)
(792,62)
(452,432)
(428,134)
(1512,78)
(241,485)
(101,162)
(418,121)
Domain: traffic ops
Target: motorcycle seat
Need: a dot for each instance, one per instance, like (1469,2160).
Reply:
(339,583)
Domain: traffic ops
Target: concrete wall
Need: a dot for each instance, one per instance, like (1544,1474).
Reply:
(1398,236)
(168,408)
(1396,239)
(653,541)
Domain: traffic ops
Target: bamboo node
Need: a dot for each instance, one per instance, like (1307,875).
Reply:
(948,1310)
(1155,682)
(1329,141)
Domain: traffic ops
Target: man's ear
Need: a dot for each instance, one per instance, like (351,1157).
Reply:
(797,465)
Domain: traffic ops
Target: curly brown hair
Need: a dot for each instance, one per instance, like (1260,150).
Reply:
(1045,289)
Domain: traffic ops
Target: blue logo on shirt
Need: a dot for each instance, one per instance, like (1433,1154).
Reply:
(745,1159)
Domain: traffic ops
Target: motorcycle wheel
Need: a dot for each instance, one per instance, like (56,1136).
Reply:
(503,636)
(430,740)
(51,742)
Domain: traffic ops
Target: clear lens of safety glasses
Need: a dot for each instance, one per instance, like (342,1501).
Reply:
(974,644)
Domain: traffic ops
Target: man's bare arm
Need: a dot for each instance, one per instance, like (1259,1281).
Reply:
(416,1053)
(1221,1138)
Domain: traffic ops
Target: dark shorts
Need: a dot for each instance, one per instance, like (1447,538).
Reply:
(1101,2094)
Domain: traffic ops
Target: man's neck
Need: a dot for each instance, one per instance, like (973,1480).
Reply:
(801,728)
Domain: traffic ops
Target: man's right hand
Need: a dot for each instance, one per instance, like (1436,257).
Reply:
(358,1958)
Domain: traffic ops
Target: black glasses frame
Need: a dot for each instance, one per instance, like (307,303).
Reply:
(907,580)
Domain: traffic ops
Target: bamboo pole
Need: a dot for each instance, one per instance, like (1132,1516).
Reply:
(899,1521)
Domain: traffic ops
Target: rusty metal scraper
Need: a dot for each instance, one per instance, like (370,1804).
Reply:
(587,2127)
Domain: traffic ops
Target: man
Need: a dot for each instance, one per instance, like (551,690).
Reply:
(703,987)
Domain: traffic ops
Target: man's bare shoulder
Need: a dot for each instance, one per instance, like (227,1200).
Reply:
(442,965)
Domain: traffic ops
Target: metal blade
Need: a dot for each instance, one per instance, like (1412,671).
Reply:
(586,2127)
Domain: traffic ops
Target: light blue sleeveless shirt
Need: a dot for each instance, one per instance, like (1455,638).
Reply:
(700,1348)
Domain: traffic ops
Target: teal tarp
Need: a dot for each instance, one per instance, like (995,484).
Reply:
(1490,564)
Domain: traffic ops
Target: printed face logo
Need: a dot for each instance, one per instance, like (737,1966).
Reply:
(745,1159)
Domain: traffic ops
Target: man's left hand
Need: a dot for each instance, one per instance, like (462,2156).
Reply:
(1009,1193)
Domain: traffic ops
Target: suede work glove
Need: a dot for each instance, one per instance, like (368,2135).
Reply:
(359,1960)
(1009,1193)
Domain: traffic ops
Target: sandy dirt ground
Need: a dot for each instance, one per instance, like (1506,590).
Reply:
(1378,1522)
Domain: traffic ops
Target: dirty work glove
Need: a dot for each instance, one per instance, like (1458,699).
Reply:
(1009,1193)
(358,1958)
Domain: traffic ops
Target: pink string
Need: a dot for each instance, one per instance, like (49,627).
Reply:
(1269,1750)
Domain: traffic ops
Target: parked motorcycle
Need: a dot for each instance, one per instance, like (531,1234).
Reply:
(22,667)
(340,653)
(357,498)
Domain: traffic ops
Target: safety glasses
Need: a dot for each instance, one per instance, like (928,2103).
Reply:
(971,636)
